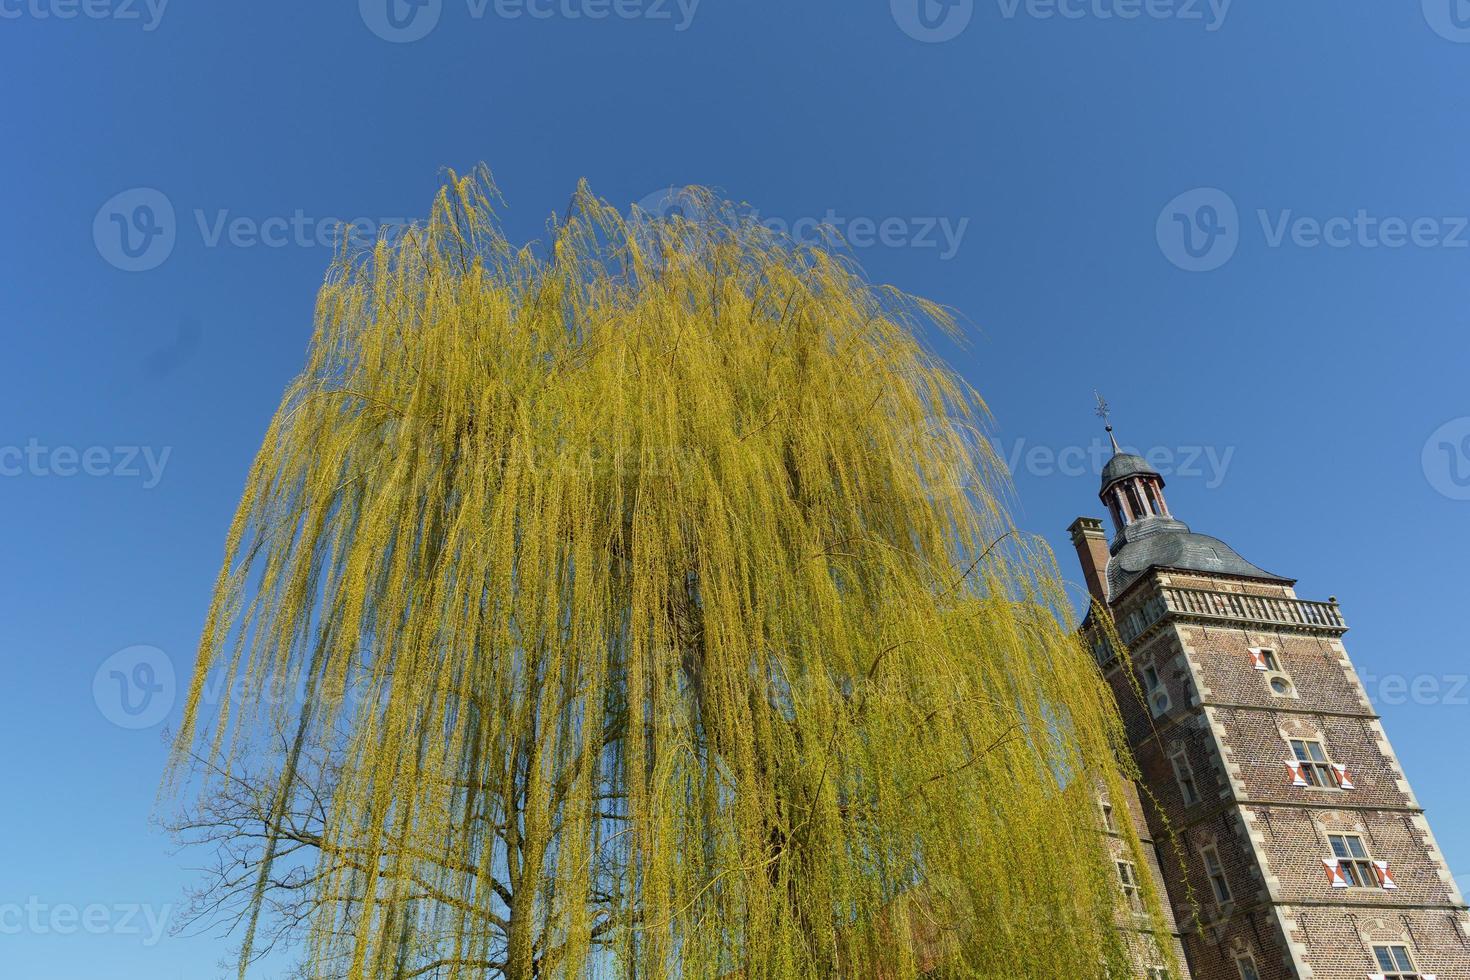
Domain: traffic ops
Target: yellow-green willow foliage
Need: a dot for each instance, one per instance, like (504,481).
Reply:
(662,622)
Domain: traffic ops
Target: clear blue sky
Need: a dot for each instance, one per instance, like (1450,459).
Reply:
(1029,164)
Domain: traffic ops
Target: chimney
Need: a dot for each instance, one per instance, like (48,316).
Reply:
(1092,553)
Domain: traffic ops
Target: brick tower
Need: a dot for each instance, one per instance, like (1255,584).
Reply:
(1298,849)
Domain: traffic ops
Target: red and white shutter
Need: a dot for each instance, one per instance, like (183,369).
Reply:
(1258,659)
(1342,776)
(1385,880)
(1334,873)
(1295,773)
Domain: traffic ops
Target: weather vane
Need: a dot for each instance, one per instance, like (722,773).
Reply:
(1105,413)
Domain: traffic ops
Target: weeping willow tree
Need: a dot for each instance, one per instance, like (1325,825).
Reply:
(650,615)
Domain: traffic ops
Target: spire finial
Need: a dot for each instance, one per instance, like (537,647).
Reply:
(1106,415)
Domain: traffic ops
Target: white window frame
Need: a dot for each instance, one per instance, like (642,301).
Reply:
(1404,968)
(1318,770)
(1285,682)
(1355,865)
(1129,881)
(1267,660)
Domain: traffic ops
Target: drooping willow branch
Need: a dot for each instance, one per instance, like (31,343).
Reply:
(658,619)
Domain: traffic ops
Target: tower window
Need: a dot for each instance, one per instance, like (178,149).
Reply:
(1313,768)
(1215,871)
(1184,775)
(1265,659)
(1395,963)
(1158,697)
(1268,663)
(1128,876)
(1351,867)
(1109,824)
(1153,499)
(1246,965)
(1135,503)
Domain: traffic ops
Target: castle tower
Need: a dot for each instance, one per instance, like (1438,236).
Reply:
(1299,848)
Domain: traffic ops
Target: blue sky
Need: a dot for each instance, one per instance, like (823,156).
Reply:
(1245,222)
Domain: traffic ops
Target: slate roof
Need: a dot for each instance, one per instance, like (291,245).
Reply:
(1163,542)
(1124,464)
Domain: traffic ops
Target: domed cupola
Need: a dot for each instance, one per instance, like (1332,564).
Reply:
(1131,489)
(1146,533)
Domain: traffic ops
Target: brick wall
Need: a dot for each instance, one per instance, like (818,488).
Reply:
(1225,719)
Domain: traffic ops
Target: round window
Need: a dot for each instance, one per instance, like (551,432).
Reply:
(1281,685)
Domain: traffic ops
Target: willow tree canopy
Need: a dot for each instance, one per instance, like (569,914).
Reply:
(658,618)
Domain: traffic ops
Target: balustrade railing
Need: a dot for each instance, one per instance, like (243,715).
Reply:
(1226,606)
